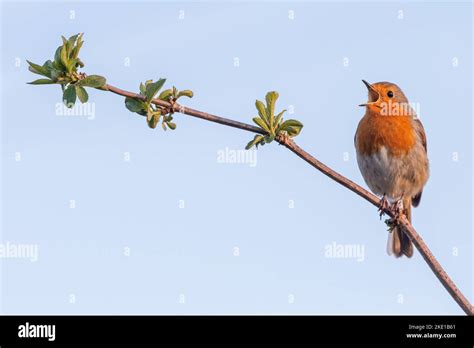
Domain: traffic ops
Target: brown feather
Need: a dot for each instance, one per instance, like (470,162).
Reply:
(416,199)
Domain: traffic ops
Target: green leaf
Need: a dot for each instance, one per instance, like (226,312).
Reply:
(48,68)
(71,64)
(292,127)
(268,138)
(271,98)
(291,123)
(135,105)
(154,119)
(261,123)
(261,110)
(166,94)
(82,94)
(142,88)
(94,81)
(171,125)
(79,62)
(42,82)
(45,70)
(293,132)
(69,96)
(153,88)
(278,119)
(57,54)
(149,114)
(71,43)
(57,60)
(38,69)
(64,57)
(56,75)
(175,92)
(258,139)
(185,93)
(77,48)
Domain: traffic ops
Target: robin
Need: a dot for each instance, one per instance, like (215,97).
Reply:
(392,156)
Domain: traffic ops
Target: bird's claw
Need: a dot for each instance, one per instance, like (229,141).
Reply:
(397,213)
(383,205)
(397,210)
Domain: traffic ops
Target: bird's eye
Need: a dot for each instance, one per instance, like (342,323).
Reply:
(390,94)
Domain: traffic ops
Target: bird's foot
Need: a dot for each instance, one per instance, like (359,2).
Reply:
(397,212)
(383,205)
(397,209)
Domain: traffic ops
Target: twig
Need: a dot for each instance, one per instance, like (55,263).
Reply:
(428,256)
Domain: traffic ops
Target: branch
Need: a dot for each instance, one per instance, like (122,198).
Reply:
(428,256)
(63,70)
(188,111)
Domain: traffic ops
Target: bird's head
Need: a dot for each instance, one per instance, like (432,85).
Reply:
(382,94)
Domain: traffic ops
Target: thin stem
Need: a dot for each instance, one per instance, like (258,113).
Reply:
(428,256)
(189,111)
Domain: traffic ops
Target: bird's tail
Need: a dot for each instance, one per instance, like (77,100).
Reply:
(399,243)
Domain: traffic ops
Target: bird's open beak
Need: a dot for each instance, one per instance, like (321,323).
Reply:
(373,94)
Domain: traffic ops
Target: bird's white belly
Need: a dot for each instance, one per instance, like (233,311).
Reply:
(391,175)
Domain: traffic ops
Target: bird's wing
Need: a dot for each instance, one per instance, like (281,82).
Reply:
(420,131)
(415,201)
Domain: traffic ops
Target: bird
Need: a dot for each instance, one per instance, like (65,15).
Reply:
(392,156)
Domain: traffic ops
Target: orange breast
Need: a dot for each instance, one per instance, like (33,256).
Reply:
(396,133)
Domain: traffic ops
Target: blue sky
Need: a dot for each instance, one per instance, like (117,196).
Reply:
(175,230)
